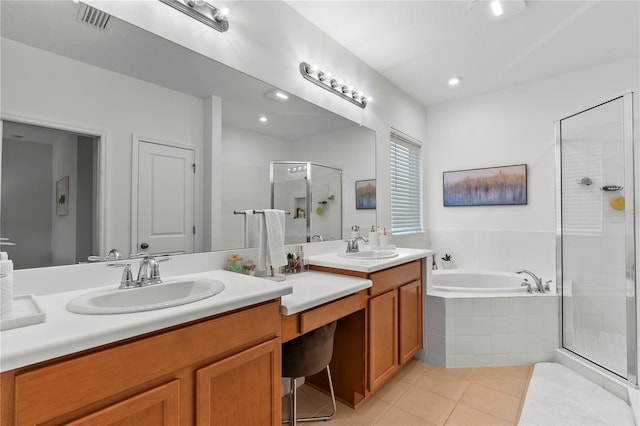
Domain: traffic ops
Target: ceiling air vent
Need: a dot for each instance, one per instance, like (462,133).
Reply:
(92,16)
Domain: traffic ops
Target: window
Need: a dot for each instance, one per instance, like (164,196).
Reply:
(406,184)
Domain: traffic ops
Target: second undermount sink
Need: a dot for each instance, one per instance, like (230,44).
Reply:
(149,298)
(370,254)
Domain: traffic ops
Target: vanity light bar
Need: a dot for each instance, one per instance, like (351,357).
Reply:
(202,11)
(338,87)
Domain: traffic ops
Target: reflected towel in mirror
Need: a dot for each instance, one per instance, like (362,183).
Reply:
(252,223)
(271,249)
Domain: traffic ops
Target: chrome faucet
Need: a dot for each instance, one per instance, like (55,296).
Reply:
(352,245)
(536,280)
(149,272)
(115,253)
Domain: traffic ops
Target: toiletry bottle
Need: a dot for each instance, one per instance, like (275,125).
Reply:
(384,238)
(374,238)
(6,286)
(299,258)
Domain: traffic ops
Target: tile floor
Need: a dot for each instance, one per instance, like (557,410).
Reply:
(423,394)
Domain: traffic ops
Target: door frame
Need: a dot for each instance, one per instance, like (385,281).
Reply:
(136,140)
(102,237)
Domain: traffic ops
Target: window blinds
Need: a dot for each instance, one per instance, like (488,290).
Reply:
(406,184)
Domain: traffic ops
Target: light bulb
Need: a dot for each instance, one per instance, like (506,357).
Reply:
(455,81)
(496,7)
(222,13)
(263,119)
(282,96)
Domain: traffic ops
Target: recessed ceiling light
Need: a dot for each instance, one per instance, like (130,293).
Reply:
(496,7)
(455,81)
(277,95)
(263,119)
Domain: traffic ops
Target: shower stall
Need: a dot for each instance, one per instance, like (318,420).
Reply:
(596,222)
(313,194)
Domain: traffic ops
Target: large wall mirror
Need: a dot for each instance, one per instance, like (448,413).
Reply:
(144,117)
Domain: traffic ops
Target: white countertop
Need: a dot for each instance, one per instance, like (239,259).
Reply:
(313,288)
(65,333)
(332,260)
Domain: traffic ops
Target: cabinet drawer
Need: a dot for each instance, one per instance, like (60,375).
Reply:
(158,406)
(395,277)
(312,319)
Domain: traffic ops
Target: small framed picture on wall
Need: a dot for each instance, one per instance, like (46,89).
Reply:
(62,196)
(366,194)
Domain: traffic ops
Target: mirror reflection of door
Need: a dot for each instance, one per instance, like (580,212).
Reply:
(166,188)
(38,162)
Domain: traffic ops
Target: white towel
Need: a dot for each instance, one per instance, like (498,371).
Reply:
(252,224)
(274,221)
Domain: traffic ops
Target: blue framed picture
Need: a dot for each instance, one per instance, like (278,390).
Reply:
(366,194)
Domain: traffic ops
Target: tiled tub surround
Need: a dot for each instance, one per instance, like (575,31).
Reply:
(497,250)
(465,330)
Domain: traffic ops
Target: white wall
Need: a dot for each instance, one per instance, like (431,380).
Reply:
(268,40)
(67,95)
(511,126)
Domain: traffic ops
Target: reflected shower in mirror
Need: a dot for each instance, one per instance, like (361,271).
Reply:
(73,76)
(313,194)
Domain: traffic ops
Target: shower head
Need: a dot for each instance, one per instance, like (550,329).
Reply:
(585,181)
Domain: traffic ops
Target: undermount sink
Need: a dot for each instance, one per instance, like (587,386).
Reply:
(149,298)
(370,254)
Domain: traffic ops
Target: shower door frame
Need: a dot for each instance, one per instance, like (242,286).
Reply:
(630,246)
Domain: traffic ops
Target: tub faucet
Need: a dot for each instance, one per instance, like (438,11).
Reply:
(536,280)
(352,245)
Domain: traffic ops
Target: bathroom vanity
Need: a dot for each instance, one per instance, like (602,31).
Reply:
(215,361)
(189,374)
(394,308)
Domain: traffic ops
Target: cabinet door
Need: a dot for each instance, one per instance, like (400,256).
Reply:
(383,338)
(243,389)
(158,406)
(410,320)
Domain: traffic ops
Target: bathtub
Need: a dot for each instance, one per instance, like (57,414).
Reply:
(479,318)
(476,283)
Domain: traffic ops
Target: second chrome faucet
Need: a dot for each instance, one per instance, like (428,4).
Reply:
(148,272)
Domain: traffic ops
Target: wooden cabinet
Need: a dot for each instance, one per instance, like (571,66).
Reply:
(383,338)
(393,320)
(204,372)
(409,320)
(240,390)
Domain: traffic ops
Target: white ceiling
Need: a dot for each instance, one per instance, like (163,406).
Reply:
(419,45)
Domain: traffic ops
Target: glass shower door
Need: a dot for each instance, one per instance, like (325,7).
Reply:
(596,236)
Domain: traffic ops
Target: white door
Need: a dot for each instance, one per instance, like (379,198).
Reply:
(166,179)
